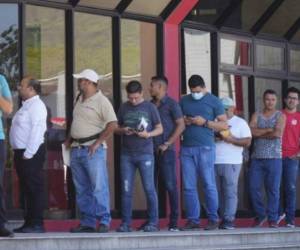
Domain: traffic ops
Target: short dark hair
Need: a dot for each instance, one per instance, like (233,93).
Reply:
(134,87)
(269,92)
(160,78)
(196,81)
(35,84)
(292,90)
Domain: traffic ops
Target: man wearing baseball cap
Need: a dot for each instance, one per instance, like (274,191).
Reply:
(229,159)
(94,120)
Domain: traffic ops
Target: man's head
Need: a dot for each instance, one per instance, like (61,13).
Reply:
(87,78)
(197,87)
(228,105)
(29,87)
(292,99)
(158,86)
(270,99)
(134,91)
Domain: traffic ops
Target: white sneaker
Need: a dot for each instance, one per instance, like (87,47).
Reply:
(280,218)
(290,225)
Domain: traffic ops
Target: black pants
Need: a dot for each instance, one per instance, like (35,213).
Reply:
(30,173)
(2,168)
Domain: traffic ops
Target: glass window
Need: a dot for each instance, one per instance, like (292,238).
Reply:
(283,18)
(146,7)
(93,49)
(207,11)
(262,84)
(295,61)
(103,4)
(138,53)
(296,37)
(197,55)
(235,87)
(247,14)
(269,57)
(235,52)
(138,62)
(45,60)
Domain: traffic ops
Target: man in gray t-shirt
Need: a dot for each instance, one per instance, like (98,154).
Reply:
(138,122)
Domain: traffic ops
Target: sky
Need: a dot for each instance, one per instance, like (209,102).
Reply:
(8,16)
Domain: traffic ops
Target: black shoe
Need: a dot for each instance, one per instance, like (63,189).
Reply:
(124,228)
(33,229)
(5,232)
(83,229)
(141,227)
(226,224)
(212,225)
(103,228)
(190,226)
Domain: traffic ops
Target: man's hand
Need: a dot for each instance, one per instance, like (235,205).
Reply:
(68,143)
(128,131)
(198,120)
(143,134)
(162,148)
(93,148)
(188,120)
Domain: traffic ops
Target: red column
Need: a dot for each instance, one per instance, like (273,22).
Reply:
(172,59)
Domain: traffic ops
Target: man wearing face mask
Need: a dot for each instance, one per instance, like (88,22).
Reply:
(203,114)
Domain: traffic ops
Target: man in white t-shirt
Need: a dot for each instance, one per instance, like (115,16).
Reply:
(229,159)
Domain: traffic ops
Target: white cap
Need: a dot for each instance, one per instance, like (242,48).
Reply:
(227,102)
(88,74)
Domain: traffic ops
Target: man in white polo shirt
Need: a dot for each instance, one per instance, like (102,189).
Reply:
(229,159)
(94,120)
(27,139)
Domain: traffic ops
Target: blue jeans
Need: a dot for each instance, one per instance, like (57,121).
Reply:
(228,176)
(267,173)
(289,185)
(199,161)
(145,164)
(165,169)
(91,184)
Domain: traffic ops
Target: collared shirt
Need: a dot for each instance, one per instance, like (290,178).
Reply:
(4,92)
(169,111)
(29,125)
(91,116)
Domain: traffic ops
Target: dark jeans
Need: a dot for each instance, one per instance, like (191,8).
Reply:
(165,171)
(2,167)
(31,179)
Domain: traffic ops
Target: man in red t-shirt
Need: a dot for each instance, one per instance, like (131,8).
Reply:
(290,154)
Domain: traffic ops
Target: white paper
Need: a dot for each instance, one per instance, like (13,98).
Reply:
(66,154)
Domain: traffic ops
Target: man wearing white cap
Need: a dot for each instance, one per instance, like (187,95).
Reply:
(229,150)
(94,120)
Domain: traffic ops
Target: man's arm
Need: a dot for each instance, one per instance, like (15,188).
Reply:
(241,142)
(218,125)
(158,129)
(257,132)
(278,130)
(105,134)
(179,128)
(6,105)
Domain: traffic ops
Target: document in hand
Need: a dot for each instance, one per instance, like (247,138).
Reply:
(66,155)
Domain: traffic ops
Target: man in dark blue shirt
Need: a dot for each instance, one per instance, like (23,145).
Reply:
(203,114)
(138,121)
(165,155)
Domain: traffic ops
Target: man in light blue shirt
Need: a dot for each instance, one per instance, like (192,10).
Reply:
(6,107)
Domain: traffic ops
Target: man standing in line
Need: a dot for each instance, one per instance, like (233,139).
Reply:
(266,160)
(203,114)
(290,154)
(94,120)
(229,159)
(27,133)
(6,106)
(139,121)
(164,148)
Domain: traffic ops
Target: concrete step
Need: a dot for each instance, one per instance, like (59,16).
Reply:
(246,238)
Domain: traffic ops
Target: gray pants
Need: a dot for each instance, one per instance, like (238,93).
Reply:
(227,177)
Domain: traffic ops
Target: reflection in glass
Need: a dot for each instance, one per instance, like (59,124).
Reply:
(287,13)
(45,60)
(295,61)
(269,57)
(138,62)
(138,53)
(235,87)
(247,14)
(197,55)
(103,4)
(93,49)
(146,7)
(262,84)
(207,11)
(234,52)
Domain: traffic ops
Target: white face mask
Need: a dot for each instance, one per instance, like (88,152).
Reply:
(197,95)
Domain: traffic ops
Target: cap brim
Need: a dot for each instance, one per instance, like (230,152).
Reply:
(77,76)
